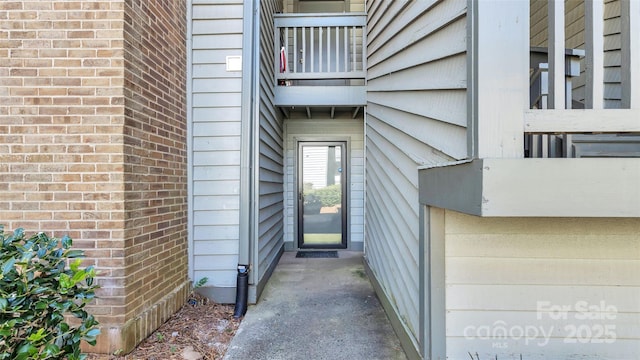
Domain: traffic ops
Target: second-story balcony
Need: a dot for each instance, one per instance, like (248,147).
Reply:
(584,80)
(320,61)
(580,118)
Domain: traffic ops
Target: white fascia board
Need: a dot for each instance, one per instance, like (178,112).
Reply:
(599,187)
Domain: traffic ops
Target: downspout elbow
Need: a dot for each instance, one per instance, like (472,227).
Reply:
(242,291)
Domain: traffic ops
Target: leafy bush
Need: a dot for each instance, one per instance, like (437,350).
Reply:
(37,290)
(312,203)
(330,195)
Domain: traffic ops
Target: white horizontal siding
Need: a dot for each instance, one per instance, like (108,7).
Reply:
(500,272)
(326,129)
(315,166)
(416,115)
(215,142)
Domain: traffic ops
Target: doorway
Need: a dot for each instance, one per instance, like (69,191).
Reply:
(321,188)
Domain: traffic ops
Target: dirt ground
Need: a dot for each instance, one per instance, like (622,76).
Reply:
(200,327)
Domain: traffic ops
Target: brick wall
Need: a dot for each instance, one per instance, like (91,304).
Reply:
(155,150)
(92,144)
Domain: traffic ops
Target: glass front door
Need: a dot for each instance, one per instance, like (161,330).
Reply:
(321,195)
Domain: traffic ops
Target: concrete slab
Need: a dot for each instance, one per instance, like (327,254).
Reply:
(317,309)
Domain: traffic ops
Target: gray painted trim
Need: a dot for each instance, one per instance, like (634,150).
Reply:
(432,283)
(320,19)
(320,96)
(630,42)
(290,246)
(345,184)
(296,210)
(364,178)
(437,284)
(254,255)
(457,187)
(472,83)
(190,241)
(356,246)
(408,345)
(267,275)
(596,187)
(423,283)
(246,130)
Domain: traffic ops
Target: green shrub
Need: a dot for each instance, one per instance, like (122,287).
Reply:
(330,195)
(37,290)
(312,203)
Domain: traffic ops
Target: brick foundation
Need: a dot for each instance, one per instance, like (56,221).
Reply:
(122,338)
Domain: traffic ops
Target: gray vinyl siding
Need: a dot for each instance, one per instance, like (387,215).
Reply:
(574,19)
(215,140)
(416,116)
(340,128)
(270,167)
(612,55)
(538,31)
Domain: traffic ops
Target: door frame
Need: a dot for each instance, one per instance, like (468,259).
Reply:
(298,183)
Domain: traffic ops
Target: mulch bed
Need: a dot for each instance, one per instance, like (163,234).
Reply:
(202,325)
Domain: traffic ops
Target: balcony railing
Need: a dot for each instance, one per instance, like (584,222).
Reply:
(562,125)
(319,46)
(320,60)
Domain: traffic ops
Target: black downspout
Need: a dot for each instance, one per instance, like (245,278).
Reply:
(242,291)
(249,86)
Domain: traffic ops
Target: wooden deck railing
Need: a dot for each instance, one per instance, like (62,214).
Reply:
(553,120)
(319,47)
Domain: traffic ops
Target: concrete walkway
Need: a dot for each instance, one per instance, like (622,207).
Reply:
(316,309)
